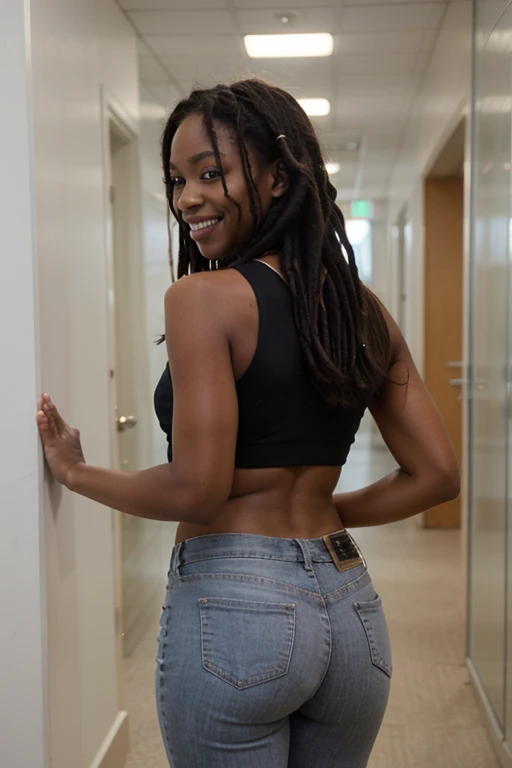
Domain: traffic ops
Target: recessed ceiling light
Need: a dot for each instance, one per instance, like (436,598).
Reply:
(287,18)
(315,107)
(332,168)
(288,46)
(352,146)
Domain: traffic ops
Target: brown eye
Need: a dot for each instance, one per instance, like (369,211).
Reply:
(207,177)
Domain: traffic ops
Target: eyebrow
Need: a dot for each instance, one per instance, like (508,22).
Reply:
(197,158)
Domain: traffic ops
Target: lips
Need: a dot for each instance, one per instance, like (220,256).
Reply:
(195,227)
(200,230)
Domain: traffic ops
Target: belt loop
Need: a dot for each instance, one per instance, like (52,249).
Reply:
(176,558)
(308,565)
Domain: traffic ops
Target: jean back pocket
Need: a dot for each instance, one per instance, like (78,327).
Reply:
(376,629)
(246,642)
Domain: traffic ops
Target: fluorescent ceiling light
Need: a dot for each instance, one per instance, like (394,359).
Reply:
(315,107)
(332,168)
(288,46)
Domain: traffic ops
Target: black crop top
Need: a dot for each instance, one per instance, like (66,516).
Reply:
(282,419)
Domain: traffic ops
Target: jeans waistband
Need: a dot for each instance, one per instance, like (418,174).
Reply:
(248,545)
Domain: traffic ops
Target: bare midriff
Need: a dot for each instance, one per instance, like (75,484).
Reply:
(285,502)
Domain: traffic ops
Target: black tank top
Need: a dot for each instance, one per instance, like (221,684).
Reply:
(283,421)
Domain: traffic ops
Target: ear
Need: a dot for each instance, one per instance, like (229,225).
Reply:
(280,179)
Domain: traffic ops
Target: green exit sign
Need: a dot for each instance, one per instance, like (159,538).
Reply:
(361,209)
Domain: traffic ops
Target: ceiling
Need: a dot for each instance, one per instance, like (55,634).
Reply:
(381,53)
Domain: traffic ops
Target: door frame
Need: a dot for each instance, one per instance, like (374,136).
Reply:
(113,114)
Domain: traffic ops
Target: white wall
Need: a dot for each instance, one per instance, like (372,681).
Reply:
(22,596)
(72,54)
(439,105)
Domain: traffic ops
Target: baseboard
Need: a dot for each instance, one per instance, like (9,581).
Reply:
(115,746)
(502,751)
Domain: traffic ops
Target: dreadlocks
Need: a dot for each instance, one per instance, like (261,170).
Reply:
(342,330)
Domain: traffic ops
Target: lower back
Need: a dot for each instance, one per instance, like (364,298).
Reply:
(287,502)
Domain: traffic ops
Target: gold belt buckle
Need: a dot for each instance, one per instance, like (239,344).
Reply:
(344,551)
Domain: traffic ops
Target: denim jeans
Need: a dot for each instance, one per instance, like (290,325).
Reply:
(269,657)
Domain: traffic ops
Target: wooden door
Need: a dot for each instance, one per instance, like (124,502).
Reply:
(443,372)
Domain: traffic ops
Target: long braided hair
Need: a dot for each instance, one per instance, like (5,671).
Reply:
(342,330)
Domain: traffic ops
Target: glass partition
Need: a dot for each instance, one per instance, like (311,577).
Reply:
(492,158)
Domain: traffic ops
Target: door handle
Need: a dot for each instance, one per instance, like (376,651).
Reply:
(125,422)
(480,385)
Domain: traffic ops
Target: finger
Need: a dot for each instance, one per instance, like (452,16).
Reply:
(50,421)
(45,429)
(54,415)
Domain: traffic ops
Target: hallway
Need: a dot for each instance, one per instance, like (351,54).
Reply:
(432,719)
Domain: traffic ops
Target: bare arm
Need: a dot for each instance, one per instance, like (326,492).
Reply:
(197,484)
(414,432)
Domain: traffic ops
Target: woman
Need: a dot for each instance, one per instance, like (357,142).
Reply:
(273,648)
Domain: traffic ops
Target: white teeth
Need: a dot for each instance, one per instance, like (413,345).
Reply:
(203,224)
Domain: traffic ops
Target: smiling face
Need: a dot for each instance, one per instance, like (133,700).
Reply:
(218,227)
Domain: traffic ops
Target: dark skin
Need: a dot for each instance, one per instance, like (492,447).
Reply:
(211,324)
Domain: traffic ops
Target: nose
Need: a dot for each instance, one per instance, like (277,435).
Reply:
(189,196)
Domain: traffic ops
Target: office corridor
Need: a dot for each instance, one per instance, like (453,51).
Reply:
(433,719)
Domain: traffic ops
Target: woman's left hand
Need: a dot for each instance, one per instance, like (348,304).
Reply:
(61,442)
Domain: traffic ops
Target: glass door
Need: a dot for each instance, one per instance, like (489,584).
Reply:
(488,391)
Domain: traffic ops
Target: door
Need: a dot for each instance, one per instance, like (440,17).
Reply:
(489,319)
(138,540)
(443,216)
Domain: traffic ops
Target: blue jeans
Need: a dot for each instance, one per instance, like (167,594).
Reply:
(269,657)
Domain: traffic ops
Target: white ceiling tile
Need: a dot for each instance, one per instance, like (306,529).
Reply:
(170,5)
(398,64)
(142,47)
(374,179)
(187,86)
(302,77)
(152,71)
(457,15)
(274,7)
(339,139)
(355,82)
(379,107)
(379,143)
(166,94)
(381,87)
(346,175)
(182,22)
(393,2)
(200,45)
(257,21)
(429,40)
(366,18)
(348,119)
(416,40)
(208,69)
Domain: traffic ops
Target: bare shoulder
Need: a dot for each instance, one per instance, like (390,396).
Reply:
(211,294)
